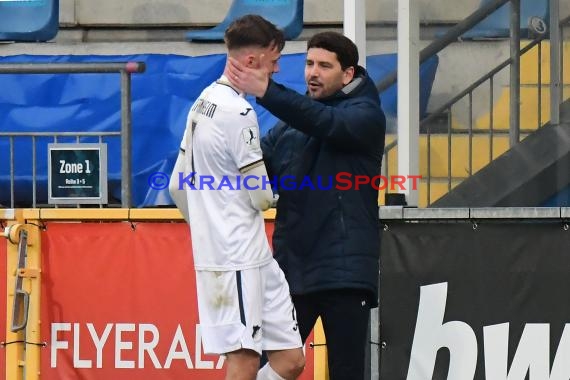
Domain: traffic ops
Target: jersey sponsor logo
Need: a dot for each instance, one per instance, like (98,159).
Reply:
(250,137)
(246,111)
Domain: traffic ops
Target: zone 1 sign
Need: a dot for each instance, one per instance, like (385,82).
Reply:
(77,173)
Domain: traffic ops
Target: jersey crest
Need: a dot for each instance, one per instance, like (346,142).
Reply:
(250,137)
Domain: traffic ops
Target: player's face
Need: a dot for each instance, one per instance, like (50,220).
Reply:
(269,59)
(323,74)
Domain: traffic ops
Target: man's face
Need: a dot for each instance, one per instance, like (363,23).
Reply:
(266,58)
(323,74)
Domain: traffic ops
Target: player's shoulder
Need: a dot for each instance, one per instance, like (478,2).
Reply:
(241,107)
(234,106)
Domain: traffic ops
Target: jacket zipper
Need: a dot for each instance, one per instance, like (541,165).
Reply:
(341,210)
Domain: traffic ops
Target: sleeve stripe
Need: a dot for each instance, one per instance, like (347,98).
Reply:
(253,165)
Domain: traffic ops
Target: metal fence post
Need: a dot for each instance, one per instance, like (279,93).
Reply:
(515,88)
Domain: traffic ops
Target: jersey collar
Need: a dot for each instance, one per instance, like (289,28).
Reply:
(224,81)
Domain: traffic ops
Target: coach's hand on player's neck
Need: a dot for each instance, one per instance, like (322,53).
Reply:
(249,69)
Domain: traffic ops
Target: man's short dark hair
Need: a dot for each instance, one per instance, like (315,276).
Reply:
(346,51)
(253,30)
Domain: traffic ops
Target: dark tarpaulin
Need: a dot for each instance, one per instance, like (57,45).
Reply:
(496,273)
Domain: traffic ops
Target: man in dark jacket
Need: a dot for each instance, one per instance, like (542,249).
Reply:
(326,237)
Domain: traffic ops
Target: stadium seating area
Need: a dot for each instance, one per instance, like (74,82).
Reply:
(28,20)
(498,23)
(286,14)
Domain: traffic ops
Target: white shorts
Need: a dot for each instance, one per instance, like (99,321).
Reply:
(250,309)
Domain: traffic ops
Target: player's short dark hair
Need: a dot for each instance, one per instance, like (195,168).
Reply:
(345,50)
(253,30)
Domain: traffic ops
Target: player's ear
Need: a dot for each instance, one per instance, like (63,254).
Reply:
(250,60)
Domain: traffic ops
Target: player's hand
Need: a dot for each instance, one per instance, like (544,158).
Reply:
(249,80)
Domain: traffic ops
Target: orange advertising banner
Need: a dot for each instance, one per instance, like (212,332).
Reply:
(119,302)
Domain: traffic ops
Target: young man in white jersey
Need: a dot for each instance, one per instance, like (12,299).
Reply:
(244,303)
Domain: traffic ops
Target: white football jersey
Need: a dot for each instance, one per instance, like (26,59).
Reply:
(222,137)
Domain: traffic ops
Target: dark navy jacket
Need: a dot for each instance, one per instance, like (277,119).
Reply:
(326,239)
